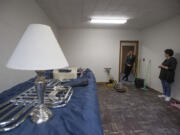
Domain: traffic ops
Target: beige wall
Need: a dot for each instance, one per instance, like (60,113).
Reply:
(154,41)
(15,16)
(95,48)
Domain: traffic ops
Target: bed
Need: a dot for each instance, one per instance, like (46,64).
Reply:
(79,117)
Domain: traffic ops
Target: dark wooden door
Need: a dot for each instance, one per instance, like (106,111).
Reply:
(125,47)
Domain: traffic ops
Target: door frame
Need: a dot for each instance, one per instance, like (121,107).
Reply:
(120,55)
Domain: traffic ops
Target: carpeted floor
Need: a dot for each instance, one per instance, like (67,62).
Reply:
(136,112)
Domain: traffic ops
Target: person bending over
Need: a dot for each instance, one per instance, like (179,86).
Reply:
(129,65)
(167,73)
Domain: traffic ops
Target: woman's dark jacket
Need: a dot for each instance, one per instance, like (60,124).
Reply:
(130,60)
(168,74)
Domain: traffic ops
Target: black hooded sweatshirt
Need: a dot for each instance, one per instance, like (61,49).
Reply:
(168,74)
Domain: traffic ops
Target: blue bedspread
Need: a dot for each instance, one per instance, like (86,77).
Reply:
(79,117)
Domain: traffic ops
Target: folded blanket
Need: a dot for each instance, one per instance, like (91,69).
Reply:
(80,84)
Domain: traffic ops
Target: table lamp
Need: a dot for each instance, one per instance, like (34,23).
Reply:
(38,50)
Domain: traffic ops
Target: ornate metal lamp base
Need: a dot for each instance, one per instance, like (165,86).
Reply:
(41,114)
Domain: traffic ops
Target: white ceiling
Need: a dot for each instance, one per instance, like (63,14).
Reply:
(141,13)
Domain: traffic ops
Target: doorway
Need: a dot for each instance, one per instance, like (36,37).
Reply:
(125,47)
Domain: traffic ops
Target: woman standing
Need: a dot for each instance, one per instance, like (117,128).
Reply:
(129,65)
(167,73)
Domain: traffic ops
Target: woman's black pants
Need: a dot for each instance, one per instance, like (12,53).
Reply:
(127,72)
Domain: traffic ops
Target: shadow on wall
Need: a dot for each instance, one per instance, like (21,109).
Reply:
(176,85)
(177,76)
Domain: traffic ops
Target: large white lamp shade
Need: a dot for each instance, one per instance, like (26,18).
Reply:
(38,49)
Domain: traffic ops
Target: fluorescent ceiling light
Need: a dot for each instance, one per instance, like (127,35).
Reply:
(108,21)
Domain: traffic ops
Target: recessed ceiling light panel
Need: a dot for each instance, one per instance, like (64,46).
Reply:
(108,21)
